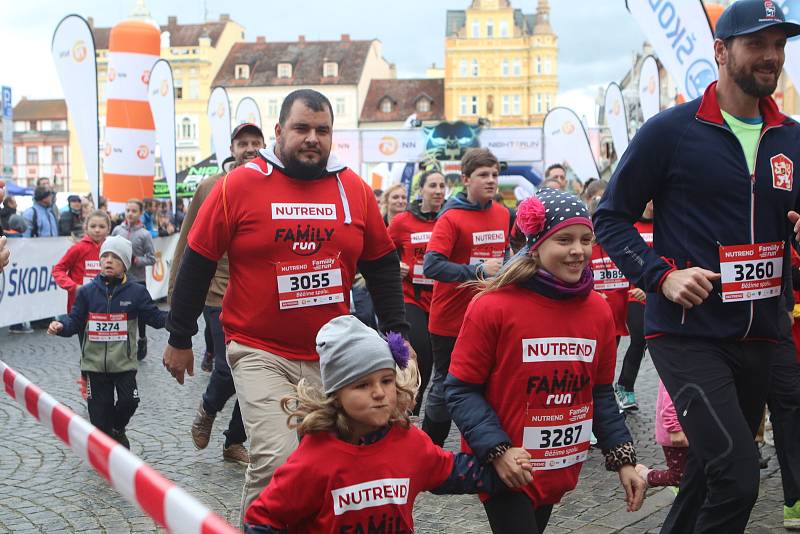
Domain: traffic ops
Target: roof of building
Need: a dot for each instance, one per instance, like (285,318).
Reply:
(34,110)
(179,34)
(404,95)
(529,23)
(306,58)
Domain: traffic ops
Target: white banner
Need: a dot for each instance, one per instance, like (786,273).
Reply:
(680,33)
(129,151)
(392,145)
(247,112)
(158,274)
(76,63)
(219,118)
(161,94)
(565,142)
(347,147)
(649,88)
(791,64)
(128,74)
(616,115)
(513,144)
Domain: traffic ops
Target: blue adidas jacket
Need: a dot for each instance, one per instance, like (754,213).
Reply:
(690,163)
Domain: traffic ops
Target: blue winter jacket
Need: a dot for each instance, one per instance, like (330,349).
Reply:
(690,163)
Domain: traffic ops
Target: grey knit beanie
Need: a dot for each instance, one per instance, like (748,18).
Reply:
(121,248)
(348,350)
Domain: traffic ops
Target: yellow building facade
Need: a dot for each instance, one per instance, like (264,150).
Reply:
(195,52)
(501,65)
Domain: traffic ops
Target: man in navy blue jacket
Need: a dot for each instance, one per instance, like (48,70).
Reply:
(720,172)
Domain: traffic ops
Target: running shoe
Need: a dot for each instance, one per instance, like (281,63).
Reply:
(236,453)
(23,328)
(120,437)
(201,427)
(592,440)
(763,461)
(208,362)
(791,517)
(625,399)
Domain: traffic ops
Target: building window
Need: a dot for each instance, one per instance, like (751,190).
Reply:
(463,68)
(503,28)
(475,70)
(194,89)
(330,69)
(476,29)
(504,69)
(506,105)
(340,106)
(538,65)
(516,69)
(462,107)
(538,102)
(474,106)
(386,105)
(547,102)
(423,105)
(241,72)
(187,130)
(547,65)
(515,105)
(58,155)
(33,126)
(32,155)
(272,108)
(284,70)
(490,28)
(178,88)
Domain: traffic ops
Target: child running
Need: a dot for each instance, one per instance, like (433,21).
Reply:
(360,465)
(670,436)
(107,311)
(533,367)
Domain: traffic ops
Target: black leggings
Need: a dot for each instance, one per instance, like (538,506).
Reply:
(420,340)
(635,353)
(142,325)
(514,513)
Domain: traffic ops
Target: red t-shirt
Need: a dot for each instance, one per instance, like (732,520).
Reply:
(411,235)
(610,281)
(330,486)
(645,229)
(539,359)
(465,237)
(79,265)
(292,254)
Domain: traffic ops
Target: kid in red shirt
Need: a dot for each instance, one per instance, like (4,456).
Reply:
(533,367)
(469,242)
(360,464)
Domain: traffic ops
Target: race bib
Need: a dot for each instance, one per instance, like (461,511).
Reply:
(91,268)
(751,272)
(487,245)
(309,283)
(607,275)
(559,437)
(418,276)
(105,327)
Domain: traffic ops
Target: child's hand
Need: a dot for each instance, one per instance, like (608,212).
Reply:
(638,294)
(634,486)
(403,269)
(54,328)
(678,439)
(509,470)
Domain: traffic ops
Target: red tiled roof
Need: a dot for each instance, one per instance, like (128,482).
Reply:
(404,95)
(179,34)
(34,110)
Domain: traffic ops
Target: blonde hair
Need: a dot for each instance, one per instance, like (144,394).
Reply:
(310,410)
(386,195)
(518,270)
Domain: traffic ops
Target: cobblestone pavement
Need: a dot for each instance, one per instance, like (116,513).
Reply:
(45,488)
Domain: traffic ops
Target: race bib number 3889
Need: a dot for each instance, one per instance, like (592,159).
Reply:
(751,272)
(309,283)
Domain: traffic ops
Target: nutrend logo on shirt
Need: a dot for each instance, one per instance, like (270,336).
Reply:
(286,210)
(492,236)
(370,494)
(420,237)
(558,349)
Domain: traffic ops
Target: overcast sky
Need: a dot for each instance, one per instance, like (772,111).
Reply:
(597,38)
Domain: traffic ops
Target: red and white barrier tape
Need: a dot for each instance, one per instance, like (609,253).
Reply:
(167,504)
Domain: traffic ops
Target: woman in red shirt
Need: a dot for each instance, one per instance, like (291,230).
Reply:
(411,231)
(533,367)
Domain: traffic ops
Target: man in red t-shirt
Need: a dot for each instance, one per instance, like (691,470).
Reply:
(296,226)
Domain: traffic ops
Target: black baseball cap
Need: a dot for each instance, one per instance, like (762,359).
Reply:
(750,16)
(246,127)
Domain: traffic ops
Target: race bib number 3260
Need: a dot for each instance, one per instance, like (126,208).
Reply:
(309,283)
(751,272)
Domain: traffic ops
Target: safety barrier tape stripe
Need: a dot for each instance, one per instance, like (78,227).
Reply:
(167,504)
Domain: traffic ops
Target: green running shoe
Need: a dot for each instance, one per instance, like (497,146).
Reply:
(791,517)
(625,399)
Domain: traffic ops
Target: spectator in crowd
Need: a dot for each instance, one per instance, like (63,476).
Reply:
(149,216)
(165,227)
(12,222)
(87,206)
(550,183)
(558,173)
(71,221)
(5,254)
(180,215)
(39,218)
(44,181)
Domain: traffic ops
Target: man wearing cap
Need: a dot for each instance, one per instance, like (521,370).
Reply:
(71,222)
(720,171)
(296,225)
(39,218)
(246,141)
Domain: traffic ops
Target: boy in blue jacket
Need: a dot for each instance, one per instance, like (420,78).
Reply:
(107,311)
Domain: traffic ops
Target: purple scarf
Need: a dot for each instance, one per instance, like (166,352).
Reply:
(548,285)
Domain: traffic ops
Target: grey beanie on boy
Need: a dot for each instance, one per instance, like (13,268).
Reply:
(348,349)
(121,248)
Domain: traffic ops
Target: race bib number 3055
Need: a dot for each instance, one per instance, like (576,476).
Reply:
(105,327)
(751,272)
(557,437)
(309,283)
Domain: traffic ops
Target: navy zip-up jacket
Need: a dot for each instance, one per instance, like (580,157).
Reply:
(689,162)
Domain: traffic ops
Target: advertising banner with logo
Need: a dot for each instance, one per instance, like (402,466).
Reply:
(161,94)
(27,289)
(219,117)
(247,112)
(392,145)
(76,63)
(616,115)
(649,88)
(513,144)
(347,148)
(7,168)
(681,35)
(791,10)
(565,142)
(158,274)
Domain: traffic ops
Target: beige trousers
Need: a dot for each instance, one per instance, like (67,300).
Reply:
(262,379)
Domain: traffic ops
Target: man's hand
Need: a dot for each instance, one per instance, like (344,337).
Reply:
(637,294)
(5,254)
(689,287)
(794,218)
(54,328)
(178,361)
(634,486)
(403,269)
(513,467)
(491,266)
(678,439)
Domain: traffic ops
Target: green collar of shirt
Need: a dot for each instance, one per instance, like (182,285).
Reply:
(747,132)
